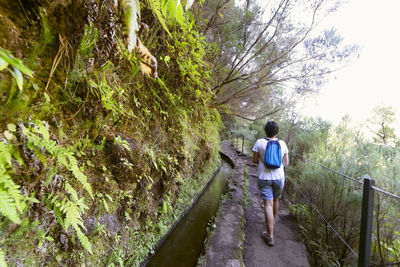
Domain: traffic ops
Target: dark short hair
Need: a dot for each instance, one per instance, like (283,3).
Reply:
(271,128)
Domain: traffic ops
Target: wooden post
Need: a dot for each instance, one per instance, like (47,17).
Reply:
(367,212)
(242,142)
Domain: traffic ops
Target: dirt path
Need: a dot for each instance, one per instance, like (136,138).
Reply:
(236,240)
(288,249)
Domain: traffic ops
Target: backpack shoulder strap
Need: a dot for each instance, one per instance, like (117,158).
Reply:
(268,139)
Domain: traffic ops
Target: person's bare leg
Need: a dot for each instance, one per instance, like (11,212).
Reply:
(276,207)
(269,216)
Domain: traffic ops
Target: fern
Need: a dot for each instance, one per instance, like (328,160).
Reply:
(40,156)
(39,137)
(84,240)
(13,92)
(71,191)
(67,211)
(15,154)
(43,131)
(89,39)
(11,200)
(5,155)
(7,205)
(13,191)
(156,9)
(46,38)
(3,262)
(79,175)
(72,212)
(56,208)
(173,11)
(107,95)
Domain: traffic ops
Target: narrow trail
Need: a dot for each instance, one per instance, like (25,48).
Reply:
(236,240)
(288,249)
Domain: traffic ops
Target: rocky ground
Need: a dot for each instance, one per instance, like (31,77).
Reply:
(236,240)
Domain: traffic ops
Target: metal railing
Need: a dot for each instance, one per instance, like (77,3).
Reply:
(369,188)
(238,142)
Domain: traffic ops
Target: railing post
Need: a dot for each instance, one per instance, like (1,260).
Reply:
(237,142)
(242,142)
(367,212)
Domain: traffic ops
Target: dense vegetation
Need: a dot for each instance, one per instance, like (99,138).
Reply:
(347,150)
(110,117)
(98,154)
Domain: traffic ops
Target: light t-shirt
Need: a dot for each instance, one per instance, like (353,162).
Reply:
(263,172)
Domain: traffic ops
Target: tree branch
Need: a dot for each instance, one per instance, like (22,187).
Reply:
(257,118)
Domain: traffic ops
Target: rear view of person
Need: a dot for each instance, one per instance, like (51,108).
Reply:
(271,155)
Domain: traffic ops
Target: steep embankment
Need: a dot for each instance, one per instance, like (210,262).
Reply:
(97,159)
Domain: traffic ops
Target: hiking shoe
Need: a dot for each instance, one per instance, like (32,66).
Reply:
(269,240)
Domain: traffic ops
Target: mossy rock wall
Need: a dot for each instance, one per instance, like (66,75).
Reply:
(126,151)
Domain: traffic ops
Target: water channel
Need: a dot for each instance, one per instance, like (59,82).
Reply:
(185,243)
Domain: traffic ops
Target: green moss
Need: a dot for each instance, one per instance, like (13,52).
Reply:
(166,152)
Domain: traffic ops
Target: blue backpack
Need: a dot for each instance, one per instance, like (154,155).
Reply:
(273,154)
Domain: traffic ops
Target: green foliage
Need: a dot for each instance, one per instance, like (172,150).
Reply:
(189,51)
(3,262)
(381,125)
(41,235)
(116,257)
(155,7)
(89,40)
(46,38)
(306,134)
(173,11)
(18,68)
(345,150)
(151,144)
(84,53)
(122,143)
(72,211)
(12,203)
(9,197)
(109,97)
(7,59)
(38,140)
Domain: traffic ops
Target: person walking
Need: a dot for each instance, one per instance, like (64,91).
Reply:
(271,177)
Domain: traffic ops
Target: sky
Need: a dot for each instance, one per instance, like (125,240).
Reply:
(373,78)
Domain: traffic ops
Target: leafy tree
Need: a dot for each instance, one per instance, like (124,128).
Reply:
(381,124)
(269,55)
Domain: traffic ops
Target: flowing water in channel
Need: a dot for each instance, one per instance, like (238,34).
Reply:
(184,245)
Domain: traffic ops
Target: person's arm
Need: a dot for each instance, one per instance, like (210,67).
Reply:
(285,159)
(255,152)
(255,157)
